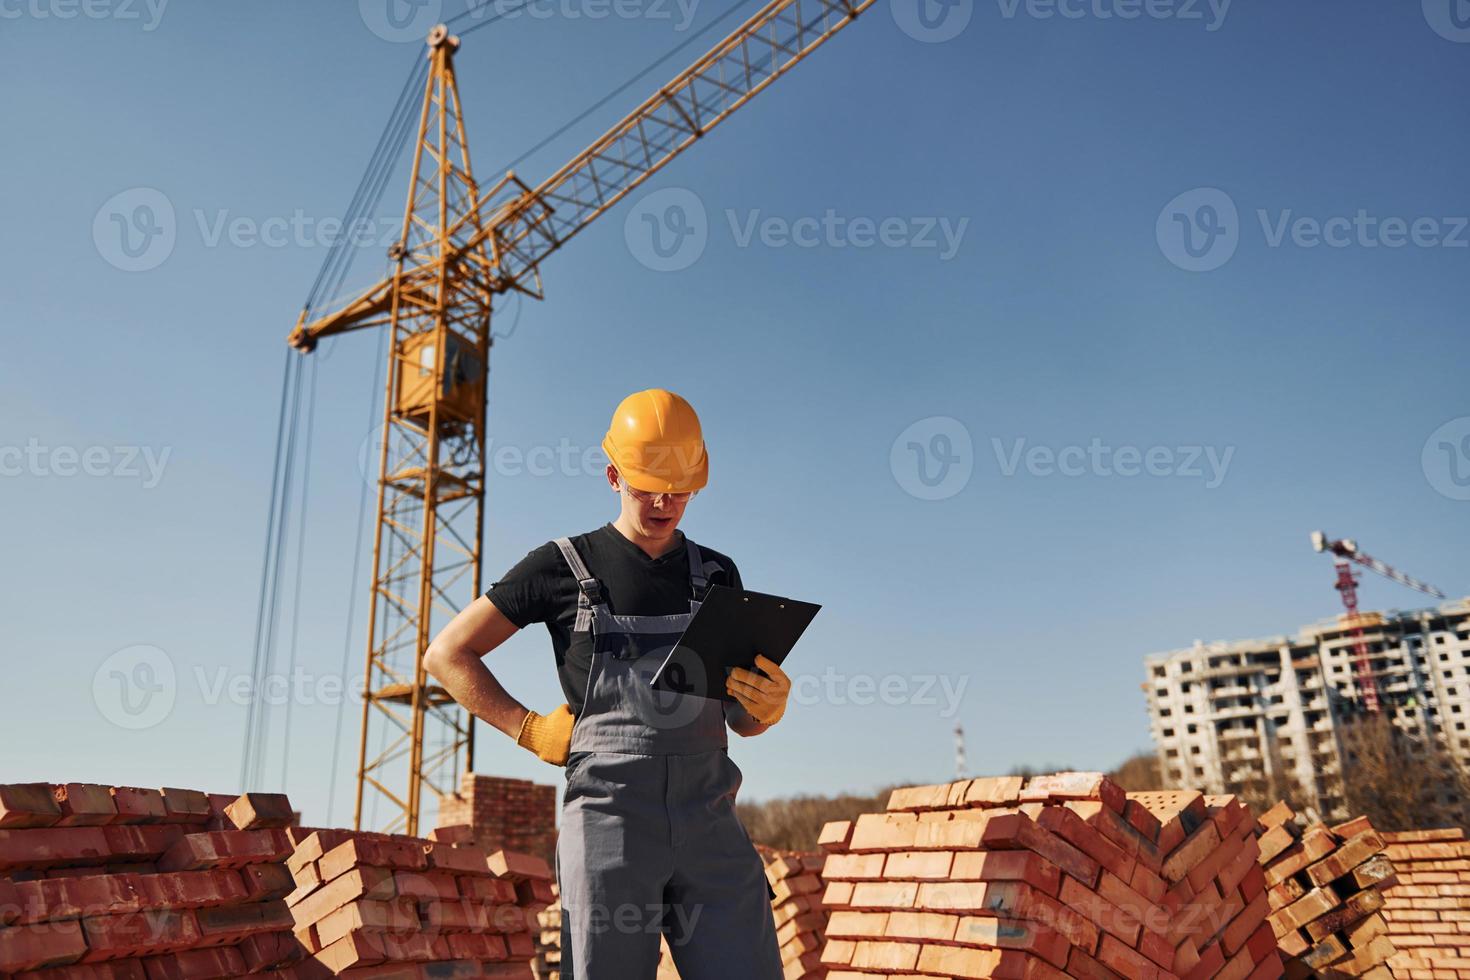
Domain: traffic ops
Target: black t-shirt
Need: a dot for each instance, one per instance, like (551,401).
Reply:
(542,589)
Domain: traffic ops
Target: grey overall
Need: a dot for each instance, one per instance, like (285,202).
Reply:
(649,842)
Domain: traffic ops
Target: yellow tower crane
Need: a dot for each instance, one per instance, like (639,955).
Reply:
(456,253)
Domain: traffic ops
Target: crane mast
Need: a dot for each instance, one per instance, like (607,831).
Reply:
(450,262)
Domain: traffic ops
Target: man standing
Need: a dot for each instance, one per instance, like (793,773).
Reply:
(649,841)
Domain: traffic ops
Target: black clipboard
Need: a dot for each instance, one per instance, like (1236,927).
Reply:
(730,628)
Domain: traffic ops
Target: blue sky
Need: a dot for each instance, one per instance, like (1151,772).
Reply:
(929,431)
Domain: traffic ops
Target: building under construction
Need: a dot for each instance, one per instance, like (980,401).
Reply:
(1252,716)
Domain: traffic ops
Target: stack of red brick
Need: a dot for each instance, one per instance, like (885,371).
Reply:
(370,905)
(504,814)
(1064,875)
(1428,907)
(546,964)
(801,919)
(119,882)
(1325,885)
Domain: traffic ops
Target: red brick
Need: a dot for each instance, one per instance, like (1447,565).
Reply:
(140,843)
(84,804)
(27,805)
(371,883)
(34,946)
(993,791)
(71,898)
(10,902)
(914,798)
(835,835)
(1226,852)
(1017,934)
(260,811)
(1270,968)
(1245,924)
(190,889)
(1129,962)
(1018,901)
(136,804)
(1262,942)
(1073,829)
(460,833)
(1196,848)
(1006,866)
(1352,853)
(1253,883)
(511,864)
(353,950)
(1015,830)
(1077,786)
(225,849)
(1276,816)
(266,882)
(1100,911)
(46,847)
(111,970)
(1116,828)
(265,950)
(487,889)
(365,852)
(185,806)
(465,860)
(231,923)
(1142,820)
(215,963)
(477,946)
(1084,967)
(138,934)
(426,885)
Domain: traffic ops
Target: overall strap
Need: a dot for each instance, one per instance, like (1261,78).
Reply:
(589,590)
(697,577)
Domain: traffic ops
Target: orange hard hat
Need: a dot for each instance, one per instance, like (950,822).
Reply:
(656,443)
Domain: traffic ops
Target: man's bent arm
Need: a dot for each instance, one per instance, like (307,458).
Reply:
(455,659)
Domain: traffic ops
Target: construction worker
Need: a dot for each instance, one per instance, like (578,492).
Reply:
(649,841)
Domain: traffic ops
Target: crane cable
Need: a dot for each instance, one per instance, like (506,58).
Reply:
(362,502)
(369,193)
(268,601)
(629,83)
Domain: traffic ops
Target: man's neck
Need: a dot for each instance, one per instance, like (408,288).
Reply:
(652,547)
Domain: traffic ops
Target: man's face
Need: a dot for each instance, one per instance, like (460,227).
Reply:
(652,515)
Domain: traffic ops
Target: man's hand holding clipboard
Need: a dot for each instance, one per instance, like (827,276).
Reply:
(733,650)
(763,695)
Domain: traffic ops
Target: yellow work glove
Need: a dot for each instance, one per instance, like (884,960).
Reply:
(549,736)
(763,695)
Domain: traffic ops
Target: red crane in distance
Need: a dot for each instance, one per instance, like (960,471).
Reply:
(1345,553)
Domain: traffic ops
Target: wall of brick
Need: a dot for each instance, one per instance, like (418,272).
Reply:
(510,814)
